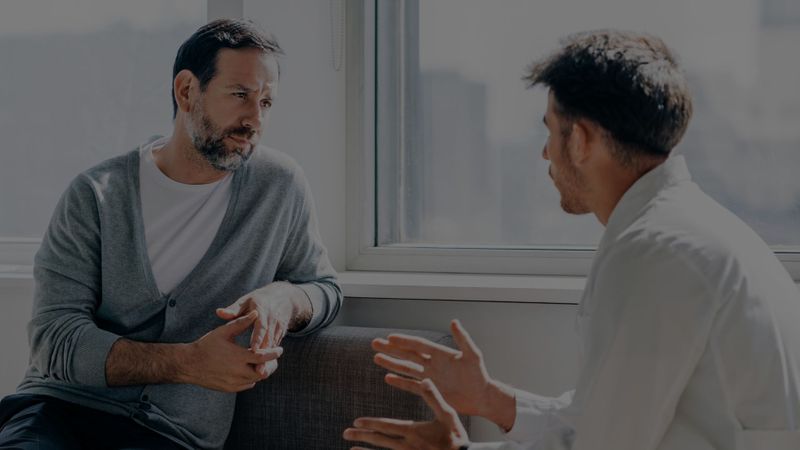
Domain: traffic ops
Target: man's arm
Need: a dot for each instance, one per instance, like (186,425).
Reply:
(305,263)
(214,361)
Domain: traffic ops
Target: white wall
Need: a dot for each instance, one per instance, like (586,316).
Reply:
(308,120)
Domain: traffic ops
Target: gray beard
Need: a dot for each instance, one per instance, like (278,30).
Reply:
(211,147)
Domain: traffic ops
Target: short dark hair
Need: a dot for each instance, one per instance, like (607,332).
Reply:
(628,83)
(199,53)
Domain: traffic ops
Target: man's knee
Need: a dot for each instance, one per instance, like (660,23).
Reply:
(34,422)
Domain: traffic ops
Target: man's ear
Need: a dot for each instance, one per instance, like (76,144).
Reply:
(185,84)
(580,142)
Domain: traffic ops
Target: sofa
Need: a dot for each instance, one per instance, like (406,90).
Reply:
(323,382)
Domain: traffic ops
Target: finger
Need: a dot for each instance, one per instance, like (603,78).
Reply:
(266,369)
(277,333)
(403,383)
(234,309)
(443,412)
(463,339)
(259,331)
(237,326)
(374,438)
(389,427)
(419,345)
(263,355)
(407,368)
(383,346)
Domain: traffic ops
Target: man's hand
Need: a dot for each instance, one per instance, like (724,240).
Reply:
(218,363)
(445,432)
(214,361)
(281,307)
(460,375)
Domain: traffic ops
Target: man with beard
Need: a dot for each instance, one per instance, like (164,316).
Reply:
(157,262)
(688,323)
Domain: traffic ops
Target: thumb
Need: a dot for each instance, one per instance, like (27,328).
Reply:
(231,311)
(463,339)
(238,326)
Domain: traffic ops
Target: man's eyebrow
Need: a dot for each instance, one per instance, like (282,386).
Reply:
(238,86)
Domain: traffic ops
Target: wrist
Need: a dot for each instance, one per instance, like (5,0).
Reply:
(184,355)
(500,405)
(301,308)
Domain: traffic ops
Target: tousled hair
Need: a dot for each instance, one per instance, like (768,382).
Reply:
(628,83)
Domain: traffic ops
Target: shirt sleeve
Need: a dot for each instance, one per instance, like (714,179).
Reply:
(305,264)
(66,344)
(647,322)
(539,416)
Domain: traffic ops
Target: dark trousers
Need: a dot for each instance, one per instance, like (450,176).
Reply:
(39,422)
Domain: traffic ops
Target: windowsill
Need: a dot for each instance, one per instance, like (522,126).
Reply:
(462,287)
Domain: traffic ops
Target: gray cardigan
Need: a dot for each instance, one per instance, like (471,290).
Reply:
(94,285)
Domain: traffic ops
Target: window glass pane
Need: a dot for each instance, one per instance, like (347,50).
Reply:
(81,81)
(475,175)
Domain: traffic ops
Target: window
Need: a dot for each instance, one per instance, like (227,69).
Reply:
(459,183)
(82,81)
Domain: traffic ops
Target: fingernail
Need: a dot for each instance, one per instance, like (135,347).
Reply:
(358,422)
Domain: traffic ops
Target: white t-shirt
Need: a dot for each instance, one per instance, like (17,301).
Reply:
(180,220)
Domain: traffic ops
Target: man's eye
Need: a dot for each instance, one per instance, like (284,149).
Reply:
(240,94)
(266,104)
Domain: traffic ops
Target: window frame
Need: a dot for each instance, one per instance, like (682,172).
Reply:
(364,253)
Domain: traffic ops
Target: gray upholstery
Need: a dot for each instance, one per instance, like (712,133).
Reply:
(323,382)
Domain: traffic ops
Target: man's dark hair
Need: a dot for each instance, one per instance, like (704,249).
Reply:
(199,53)
(628,83)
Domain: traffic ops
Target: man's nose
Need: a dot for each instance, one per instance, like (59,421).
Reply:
(544,152)
(253,118)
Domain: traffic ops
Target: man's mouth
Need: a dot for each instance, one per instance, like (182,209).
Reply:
(239,140)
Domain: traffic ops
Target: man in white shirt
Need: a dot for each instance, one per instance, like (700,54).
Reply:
(688,323)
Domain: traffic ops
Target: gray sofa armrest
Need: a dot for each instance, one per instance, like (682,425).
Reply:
(323,382)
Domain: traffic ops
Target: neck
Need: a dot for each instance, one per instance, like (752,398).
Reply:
(179,160)
(613,182)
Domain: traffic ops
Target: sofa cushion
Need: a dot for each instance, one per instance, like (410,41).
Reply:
(324,381)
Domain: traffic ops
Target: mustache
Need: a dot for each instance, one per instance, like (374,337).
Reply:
(241,132)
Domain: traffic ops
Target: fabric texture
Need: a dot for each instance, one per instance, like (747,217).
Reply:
(94,284)
(323,383)
(689,335)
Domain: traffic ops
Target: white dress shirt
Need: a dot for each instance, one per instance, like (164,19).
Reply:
(690,335)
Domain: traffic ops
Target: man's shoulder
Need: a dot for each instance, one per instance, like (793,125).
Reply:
(267,159)
(105,175)
(693,234)
(272,168)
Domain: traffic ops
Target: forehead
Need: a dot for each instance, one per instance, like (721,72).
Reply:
(247,66)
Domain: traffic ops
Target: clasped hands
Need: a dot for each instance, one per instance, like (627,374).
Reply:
(450,381)
(220,364)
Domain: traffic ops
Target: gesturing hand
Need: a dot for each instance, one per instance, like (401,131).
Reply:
(460,375)
(445,432)
(216,362)
(276,308)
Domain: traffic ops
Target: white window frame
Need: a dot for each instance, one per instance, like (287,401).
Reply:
(363,251)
